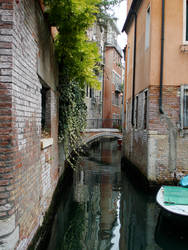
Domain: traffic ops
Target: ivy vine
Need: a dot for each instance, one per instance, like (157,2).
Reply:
(78,61)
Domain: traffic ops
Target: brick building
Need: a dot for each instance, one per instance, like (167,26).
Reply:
(105,104)
(93,99)
(112,78)
(28,104)
(156,103)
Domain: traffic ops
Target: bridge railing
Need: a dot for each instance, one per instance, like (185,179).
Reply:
(103,123)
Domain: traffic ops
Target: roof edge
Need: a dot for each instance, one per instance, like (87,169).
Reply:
(133,9)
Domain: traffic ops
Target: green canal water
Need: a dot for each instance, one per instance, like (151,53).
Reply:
(104,210)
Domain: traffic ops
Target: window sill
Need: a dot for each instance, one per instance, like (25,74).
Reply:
(184,48)
(46,142)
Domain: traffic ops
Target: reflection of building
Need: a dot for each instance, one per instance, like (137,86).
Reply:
(156,136)
(95,187)
(138,217)
(108,211)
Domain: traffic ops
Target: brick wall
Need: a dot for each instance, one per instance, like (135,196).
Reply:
(28,173)
(109,108)
(160,150)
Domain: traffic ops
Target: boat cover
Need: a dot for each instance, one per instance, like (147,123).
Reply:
(184,181)
(175,195)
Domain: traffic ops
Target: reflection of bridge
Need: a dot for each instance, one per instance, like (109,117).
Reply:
(97,128)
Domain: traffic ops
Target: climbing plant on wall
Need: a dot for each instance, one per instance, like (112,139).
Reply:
(78,60)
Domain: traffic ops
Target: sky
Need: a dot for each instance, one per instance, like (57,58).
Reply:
(121,13)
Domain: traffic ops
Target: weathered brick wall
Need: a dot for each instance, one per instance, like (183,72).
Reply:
(160,151)
(135,140)
(28,174)
(8,230)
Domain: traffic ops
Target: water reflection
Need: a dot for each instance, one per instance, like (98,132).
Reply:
(105,210)
(170,235)
(139,214)
(97,185)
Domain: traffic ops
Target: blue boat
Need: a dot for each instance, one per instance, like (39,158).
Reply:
(184,181)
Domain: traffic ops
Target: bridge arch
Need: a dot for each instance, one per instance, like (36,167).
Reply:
(92,136)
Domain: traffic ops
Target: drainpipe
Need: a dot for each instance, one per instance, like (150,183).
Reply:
(162,60)
(171,128)
(134,67)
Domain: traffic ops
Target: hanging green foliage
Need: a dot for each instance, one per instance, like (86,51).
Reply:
(78,60)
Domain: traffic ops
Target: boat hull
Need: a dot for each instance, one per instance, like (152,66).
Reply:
(178,213)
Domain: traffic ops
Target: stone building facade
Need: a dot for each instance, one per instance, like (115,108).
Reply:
(28,105)
(156,102)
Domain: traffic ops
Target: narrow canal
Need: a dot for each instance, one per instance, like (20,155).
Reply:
(104,210)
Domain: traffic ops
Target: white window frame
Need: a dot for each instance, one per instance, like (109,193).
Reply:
(183,88)
(147,28)
(184,22)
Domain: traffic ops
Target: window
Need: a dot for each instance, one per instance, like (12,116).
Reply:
(128,59)
(116,98)
(87,90)
(184,106)
(145,108)
(185,33)
(114,55)
(116,79)
(46,104)
(91,93)
(136,113)
(186,20)
(100,77)
(147,34)
(185,109)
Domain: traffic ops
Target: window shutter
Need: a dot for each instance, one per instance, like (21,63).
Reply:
(186,20)
(185,108)
(181,106)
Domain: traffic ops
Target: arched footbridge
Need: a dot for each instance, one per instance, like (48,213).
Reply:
(90,135)
(105,128)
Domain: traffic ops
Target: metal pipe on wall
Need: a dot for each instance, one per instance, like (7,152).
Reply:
(134,67)
(162,59)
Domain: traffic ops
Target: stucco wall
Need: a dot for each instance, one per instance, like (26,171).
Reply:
(160,150)
(148,60)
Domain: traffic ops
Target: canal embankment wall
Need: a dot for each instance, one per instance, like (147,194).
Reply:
(156,145)
(29,168)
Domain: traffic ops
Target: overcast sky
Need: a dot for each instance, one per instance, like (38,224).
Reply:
(121,13)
